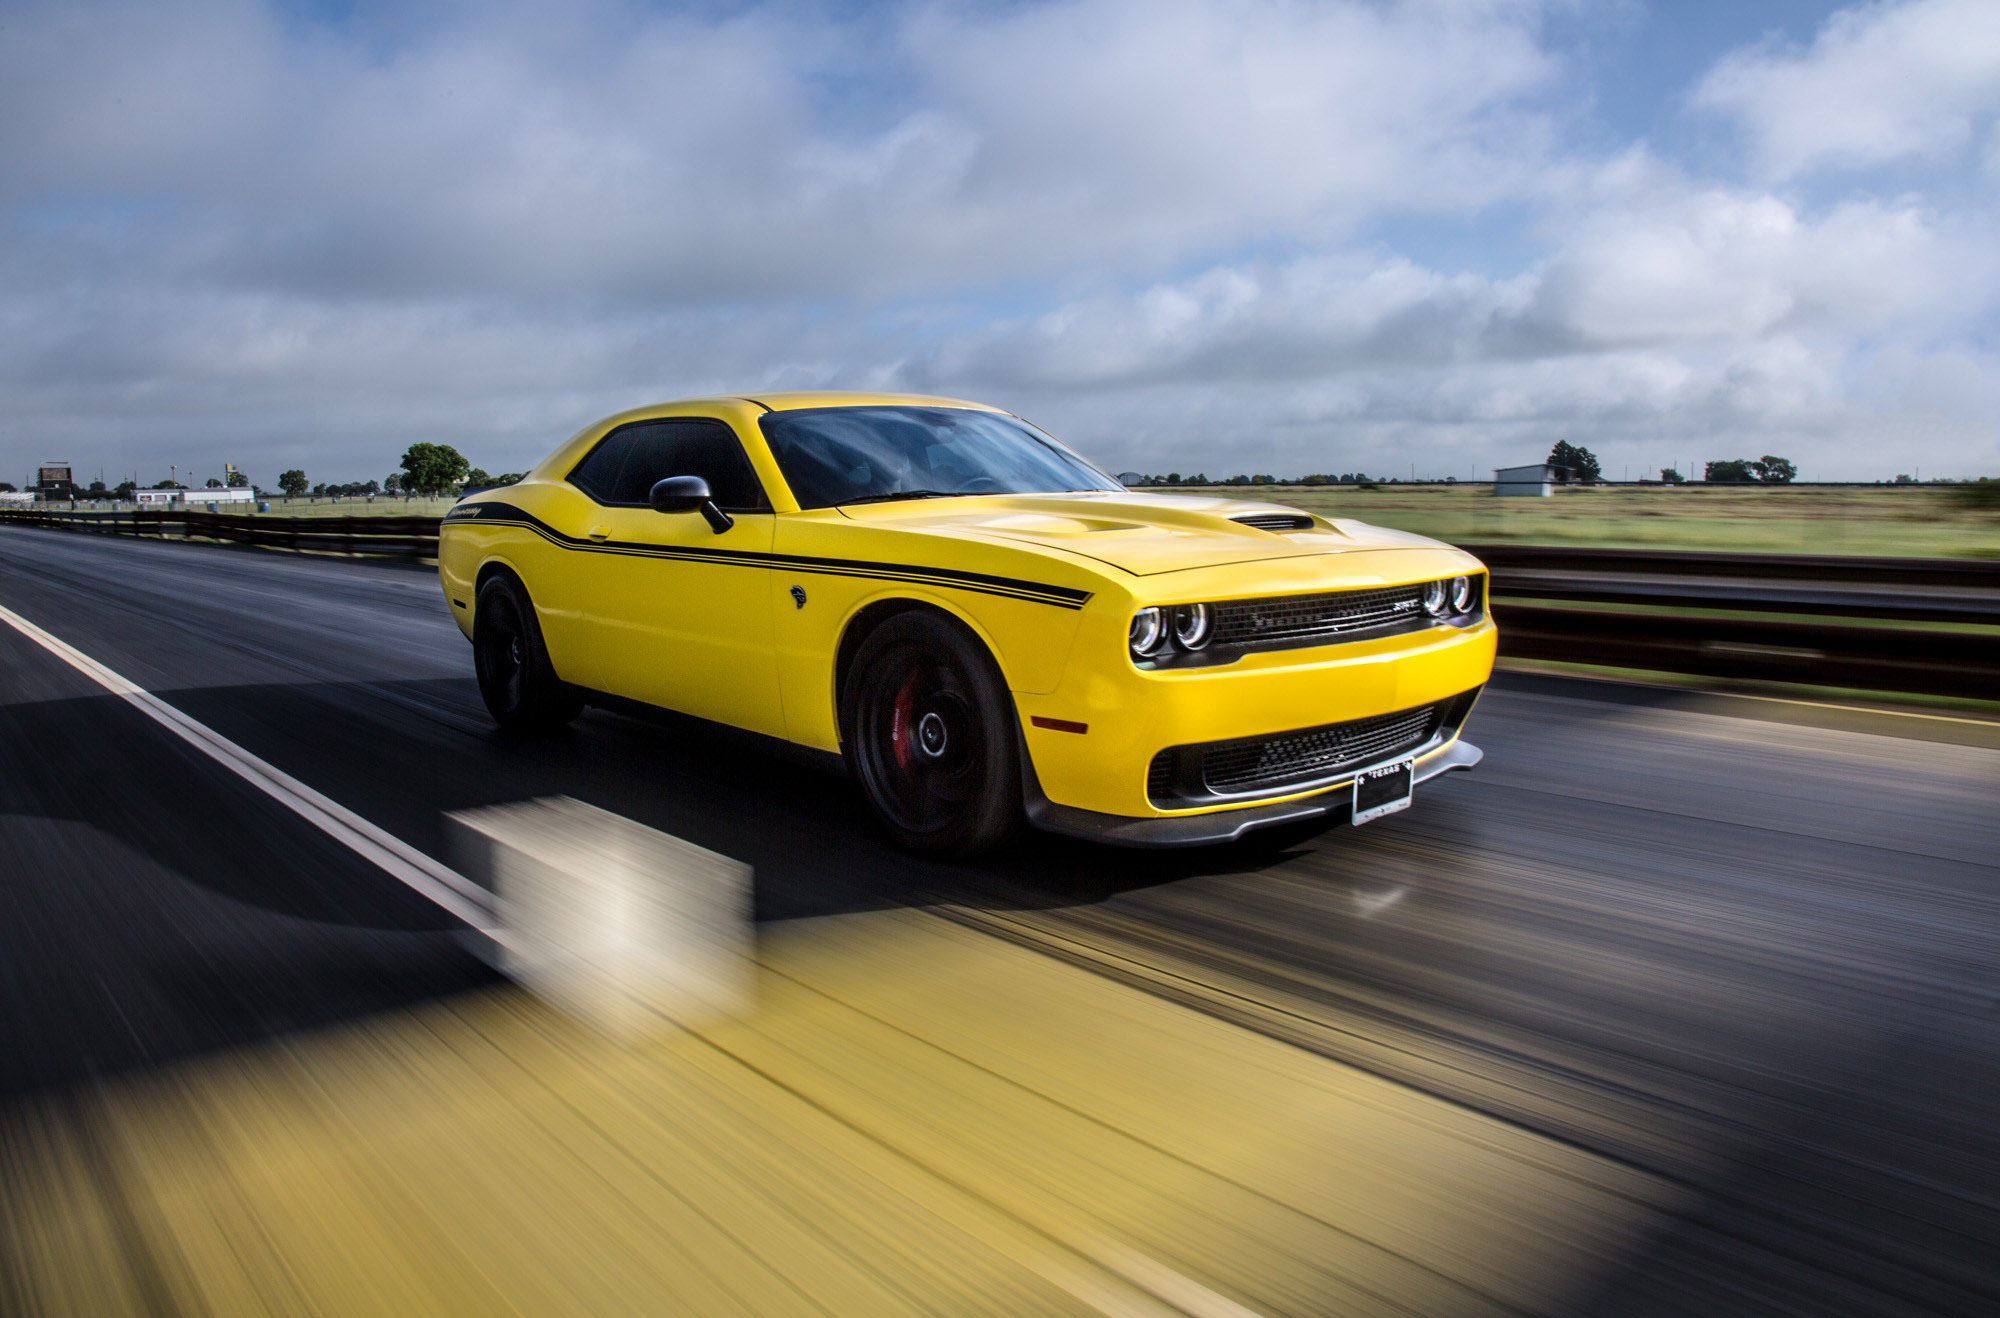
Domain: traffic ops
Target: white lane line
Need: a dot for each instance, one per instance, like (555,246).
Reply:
(449,889)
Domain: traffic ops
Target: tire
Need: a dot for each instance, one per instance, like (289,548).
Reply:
(516,680)
(928,727)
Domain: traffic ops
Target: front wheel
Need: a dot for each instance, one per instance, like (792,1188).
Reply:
(516,680)
(929,729)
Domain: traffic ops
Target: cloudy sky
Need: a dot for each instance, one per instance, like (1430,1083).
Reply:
(1229,235)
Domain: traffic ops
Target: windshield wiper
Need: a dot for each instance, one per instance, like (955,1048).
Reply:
(895,495)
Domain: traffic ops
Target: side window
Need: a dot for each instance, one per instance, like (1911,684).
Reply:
(627,463)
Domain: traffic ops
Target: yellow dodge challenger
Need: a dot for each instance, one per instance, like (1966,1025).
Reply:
(985,626)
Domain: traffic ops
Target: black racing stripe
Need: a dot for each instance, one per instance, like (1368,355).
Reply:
(507,514)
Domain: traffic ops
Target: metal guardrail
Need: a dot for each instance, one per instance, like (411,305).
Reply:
(400,537)
(1652,628)
(1621,608)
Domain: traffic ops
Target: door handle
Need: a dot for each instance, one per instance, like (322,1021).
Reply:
(599,533)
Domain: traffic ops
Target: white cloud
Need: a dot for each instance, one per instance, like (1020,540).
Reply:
(234,232)
(1668,310)
(595,149)
(1880,83)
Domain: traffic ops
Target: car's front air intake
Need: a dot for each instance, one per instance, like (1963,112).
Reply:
(1300,759)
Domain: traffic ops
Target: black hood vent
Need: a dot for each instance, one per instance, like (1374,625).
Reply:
(1276,521)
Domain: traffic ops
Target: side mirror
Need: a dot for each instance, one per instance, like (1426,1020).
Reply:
(689,494)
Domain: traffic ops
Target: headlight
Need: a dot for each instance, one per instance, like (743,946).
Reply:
(1193,625)
(1434,598)
(1148,628)
(1461,594)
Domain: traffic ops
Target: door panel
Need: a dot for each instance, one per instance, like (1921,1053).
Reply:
(673,622)
(668,611)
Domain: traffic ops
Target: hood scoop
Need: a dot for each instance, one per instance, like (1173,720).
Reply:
(1276,521)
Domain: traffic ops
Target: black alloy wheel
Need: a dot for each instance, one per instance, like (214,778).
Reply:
(516,680)
(929,729)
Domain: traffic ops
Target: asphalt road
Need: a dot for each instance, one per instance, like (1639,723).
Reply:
(1745,947)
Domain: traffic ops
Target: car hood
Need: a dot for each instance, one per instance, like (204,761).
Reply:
(1143,534)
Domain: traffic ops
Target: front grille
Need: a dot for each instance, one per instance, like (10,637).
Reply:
(1286,621)
(1276,521)
(1251,765)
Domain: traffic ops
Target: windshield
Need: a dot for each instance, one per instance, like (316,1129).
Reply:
(841,455)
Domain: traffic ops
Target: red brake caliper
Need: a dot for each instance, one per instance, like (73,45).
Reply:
(899,722)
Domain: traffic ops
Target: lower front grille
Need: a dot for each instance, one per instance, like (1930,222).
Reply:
(1249,766)
(1257,763)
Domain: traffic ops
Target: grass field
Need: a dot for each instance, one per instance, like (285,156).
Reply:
(385,505)
(1916,522)
(1901,521)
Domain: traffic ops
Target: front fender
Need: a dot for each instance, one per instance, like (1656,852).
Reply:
(1030,643)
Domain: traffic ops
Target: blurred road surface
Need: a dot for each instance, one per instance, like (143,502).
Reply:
(1676,1003)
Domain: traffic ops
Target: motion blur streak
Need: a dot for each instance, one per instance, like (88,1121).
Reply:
(1681,1004)
(919,1119)
(617,923)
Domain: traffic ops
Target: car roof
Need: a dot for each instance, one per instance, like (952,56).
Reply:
(795,400)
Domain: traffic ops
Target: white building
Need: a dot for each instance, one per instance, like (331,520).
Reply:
(1538,479)
(170,498)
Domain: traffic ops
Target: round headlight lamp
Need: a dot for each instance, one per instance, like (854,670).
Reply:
(1149,627)
(1193,625)
(1461,594)
(1434,598)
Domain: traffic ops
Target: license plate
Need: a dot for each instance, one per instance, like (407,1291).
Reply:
(1384,789)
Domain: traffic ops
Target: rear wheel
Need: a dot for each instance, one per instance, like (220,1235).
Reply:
(516,680)
(929,729)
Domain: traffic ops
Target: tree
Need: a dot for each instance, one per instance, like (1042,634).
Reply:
(1671,476)
(433,468)
(124,489)
(1774,470)
(237,480)
(7,487)
(293,482)
(213,484)
(394,483)
(478,476)
(510,477)
(97,490)
(1580,463)
(1729,469)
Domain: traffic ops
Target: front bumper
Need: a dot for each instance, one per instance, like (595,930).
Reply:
(1219,825)
(1093,740)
